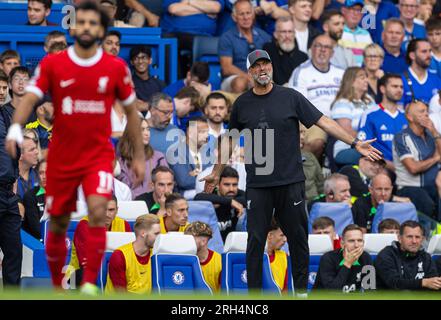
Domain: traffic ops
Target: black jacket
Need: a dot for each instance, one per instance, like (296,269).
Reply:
(358,186)
(333,275)
(226,215)
(33,202)
(8,166)
(399,270)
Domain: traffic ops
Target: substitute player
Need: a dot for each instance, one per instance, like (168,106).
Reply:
(83,82)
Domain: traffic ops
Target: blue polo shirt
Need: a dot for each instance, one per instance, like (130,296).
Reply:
(173,88)
(392,64)
(435,66)
(407,144)
(381,124)
(385,11)
(418,32)
(423,91)
(233,44)
(198,24)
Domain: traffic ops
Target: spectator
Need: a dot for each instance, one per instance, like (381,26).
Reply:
(425,11)
(340,269)
(349,104)
(336,190)
(278,258)
(379,12)
(360,175)
(389,226)
(236,43)
(112,42)
(9,59)
(161,110)
(33,202)
(185,19)
(10,222)
(190,163)
(216,110)
(433,27)
(210,261)
(393,37)
(4,88)
(176,219)
(354,37)
(187,105)
(153,159)
(162,184)
(373,58)
(197,78)
(384,121)
(57,47)
(318,80)
(325,225)
(416,158)
(43,124)
(408,12)
(268,12)
(301,12)
(312,170)
(54,37)
(365,208)
(110,7)
(145,85)
(112,223)
(283,50)
(18,80)
(333,24)
(38,11)
(228,200)
(130,265)
(405,265)
(28,178)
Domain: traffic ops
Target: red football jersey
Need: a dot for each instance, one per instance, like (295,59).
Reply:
(83,92)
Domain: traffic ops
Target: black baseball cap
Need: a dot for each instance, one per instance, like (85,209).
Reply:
(256,55)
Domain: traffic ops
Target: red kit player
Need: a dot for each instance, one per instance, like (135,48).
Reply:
(84,82)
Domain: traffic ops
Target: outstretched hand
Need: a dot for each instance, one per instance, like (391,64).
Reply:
(366,149)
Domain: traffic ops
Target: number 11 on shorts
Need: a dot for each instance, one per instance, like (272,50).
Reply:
(106,182)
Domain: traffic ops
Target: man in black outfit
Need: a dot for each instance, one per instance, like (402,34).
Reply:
(10,219)
(405,265)
(283,50)
(277,184)
(341,269)
(33,202)
(227,199)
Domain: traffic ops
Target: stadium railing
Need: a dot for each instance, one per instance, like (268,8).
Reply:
(29,42)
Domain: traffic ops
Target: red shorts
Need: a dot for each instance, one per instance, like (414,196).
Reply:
(62,191)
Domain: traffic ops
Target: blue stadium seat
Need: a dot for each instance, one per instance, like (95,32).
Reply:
(318,244)
(205,49)
(394,210)
(234,274)
(175,266)
(339,212)
(204,211)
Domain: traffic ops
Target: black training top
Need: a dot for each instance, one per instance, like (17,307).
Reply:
(281,109)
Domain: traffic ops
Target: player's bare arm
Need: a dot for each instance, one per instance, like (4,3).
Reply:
(363,147)
(134,130)
(15,135)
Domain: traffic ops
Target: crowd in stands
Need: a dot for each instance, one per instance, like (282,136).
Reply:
(374,66)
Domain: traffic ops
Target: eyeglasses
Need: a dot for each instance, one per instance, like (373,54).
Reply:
(18,79)
(409,6)
(321,46)
(164,112)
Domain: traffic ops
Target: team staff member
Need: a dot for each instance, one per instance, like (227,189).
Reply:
(269,106)
(210,261)
(278,258)
(176,219)
(340,269)
(130,269)
(405,265)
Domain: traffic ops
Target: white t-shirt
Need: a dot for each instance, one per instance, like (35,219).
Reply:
(117,124)
(302,40)
(320,88)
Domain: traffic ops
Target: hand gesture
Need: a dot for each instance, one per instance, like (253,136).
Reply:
(365,149)
(211,182)
(352,256)
(237,206)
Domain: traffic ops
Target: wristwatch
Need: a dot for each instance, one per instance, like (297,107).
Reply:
(354,143)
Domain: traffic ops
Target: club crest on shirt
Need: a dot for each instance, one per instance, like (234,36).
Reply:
(102,84)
